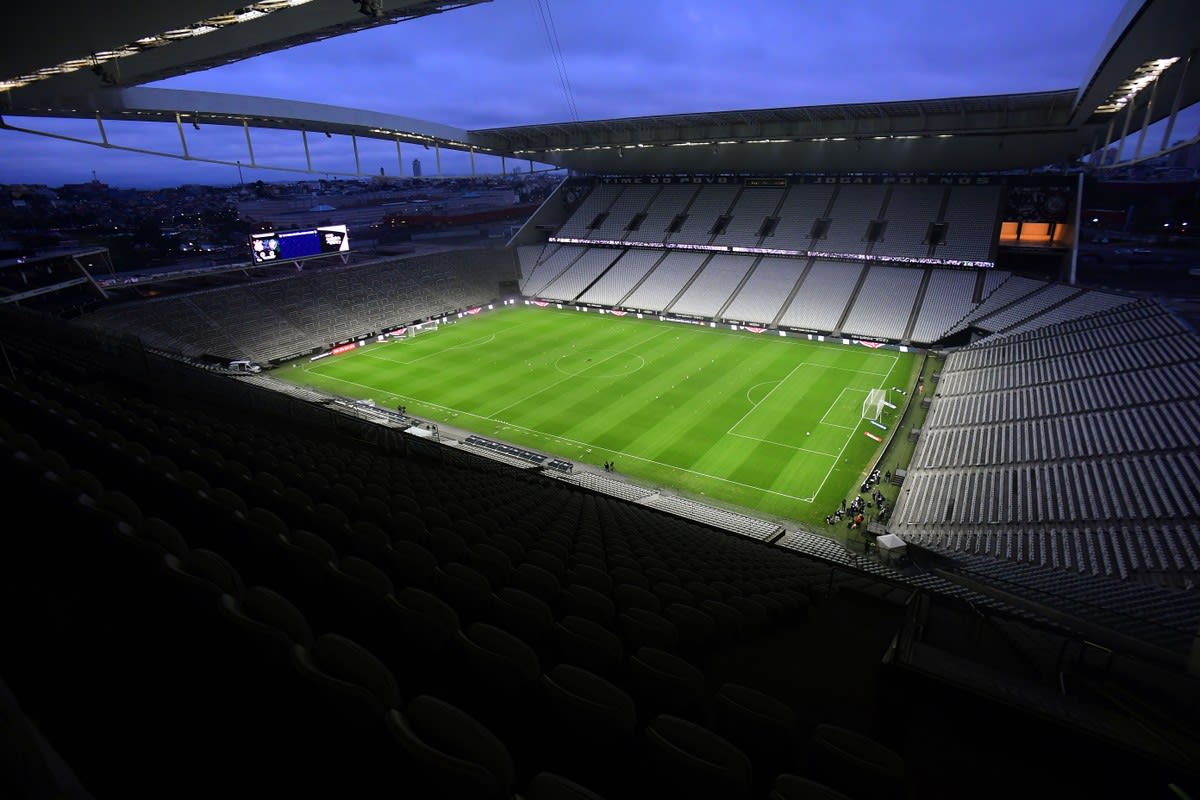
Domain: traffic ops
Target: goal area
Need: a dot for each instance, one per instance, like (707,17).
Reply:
(873,405)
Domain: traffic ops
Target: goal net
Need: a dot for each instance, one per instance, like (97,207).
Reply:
(424,327)
(873,405)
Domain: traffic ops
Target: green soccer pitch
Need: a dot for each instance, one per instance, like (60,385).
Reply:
(768,423)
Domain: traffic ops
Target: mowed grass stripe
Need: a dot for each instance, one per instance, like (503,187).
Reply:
(486,379)
(582,392)
(659,398)
(592,397)
(705,444)
(674,418)
(535,372)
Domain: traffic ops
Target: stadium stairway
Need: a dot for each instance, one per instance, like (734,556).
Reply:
(862,278)
(793,292)
(683,289)
(733,295)
(906,337)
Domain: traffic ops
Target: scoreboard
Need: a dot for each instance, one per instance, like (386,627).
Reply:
(291,245)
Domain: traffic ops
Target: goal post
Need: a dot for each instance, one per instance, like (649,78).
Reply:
(424,327)
(873,405)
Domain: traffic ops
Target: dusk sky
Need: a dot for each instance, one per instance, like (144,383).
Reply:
(492,65)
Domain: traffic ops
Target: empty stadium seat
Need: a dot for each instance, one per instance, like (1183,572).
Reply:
(586,643)
(582,601)
(551,786)
(452,754)
(685,758)
(348,748)
(763,727)
(525,616)
(787,786)
(641,627)
(592,726)
(663,683)
(855,764)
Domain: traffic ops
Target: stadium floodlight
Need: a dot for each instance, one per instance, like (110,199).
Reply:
(873,405)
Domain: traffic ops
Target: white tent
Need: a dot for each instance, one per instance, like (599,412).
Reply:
(891,547)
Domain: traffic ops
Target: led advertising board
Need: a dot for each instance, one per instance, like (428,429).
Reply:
(291,245)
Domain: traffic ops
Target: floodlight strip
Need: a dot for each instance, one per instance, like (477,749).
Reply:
(1145,74)
(726,142)
(215,23)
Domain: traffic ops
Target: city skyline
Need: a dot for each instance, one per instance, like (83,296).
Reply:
(495,64)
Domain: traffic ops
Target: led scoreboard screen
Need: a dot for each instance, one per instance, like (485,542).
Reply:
(290,245)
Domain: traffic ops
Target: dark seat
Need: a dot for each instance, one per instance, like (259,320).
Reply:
(493,562)
(538,581)
(591,577)
(663,683)
(685,759)
(551,786)
(696,628)
(583,601)
(855,764)
(764,728)
(452,754)
(627,596)
(467,590)
(525,616)
(592,726)
(409,564)
(787,786)
(588,644)
(641,627)
(499,683)
(349,751)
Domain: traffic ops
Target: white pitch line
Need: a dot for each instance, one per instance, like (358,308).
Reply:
(835,403)
(781,444)
(752,388)
(623,454)
(848,440)
(635,457)
(482,340)
(576,375)
(750,410)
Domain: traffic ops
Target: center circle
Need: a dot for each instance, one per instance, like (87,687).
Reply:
(598,364)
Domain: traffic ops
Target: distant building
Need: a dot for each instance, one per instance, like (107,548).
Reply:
(416,167)
(1185,157)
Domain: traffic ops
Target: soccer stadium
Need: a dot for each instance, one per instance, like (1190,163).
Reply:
(777,454)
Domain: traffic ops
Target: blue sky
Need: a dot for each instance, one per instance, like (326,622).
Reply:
(492,65)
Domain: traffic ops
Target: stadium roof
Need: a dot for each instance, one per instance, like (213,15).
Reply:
(91,62)
(960,133)
(140,41)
